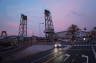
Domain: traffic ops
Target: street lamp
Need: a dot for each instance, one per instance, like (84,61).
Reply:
(40,28)
(84,38)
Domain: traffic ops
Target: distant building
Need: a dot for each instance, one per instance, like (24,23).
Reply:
(64,35)
(79,35)
(82,35)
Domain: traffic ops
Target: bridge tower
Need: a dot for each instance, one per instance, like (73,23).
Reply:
(23,26)
(49,28)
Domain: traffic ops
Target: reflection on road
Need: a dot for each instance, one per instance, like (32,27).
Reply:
(74,54)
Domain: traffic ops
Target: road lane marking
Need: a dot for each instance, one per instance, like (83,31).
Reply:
(94,52)
(66,57)
(86,58)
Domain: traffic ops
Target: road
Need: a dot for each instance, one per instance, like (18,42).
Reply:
(76,54)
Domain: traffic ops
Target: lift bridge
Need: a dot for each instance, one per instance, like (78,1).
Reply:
(49,28)
(23,27)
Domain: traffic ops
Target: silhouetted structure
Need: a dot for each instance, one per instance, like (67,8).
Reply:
(49,28)
(23,26)
(3,34)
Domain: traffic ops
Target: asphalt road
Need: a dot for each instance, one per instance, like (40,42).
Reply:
(76,54)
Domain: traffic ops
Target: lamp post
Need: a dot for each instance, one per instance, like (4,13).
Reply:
(40,28)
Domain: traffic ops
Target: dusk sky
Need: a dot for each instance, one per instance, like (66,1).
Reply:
(64,13)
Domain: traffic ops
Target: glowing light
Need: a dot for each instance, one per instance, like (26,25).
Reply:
(84,38)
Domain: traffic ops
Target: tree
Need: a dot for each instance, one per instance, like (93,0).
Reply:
(72,29)
(85,29)
(93,33)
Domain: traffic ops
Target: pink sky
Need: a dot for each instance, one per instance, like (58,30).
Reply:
(64,13)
